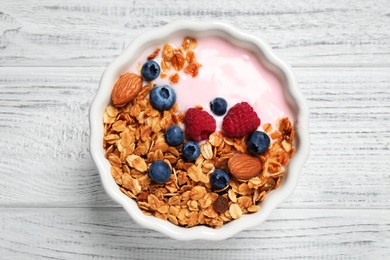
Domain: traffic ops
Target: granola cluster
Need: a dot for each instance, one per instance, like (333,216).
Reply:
(134,138)
(182,58)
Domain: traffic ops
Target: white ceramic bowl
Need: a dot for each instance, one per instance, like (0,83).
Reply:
(268,58)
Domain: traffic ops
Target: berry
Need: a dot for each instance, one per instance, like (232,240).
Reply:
(219,179)
(150,70)
(258,142)
(159,171)
(191,150)
(221,204)
(162,97)
(240,120)
(199,124)
(174,135)
(218,106)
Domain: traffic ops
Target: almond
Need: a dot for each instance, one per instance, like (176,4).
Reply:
(174,78)
(243,166)
(126,88)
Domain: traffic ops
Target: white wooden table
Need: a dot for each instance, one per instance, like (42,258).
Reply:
(52,55)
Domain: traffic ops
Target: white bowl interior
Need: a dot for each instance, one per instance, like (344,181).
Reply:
(267,58)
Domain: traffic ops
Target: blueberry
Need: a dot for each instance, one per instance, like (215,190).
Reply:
(219,179)
(159,171)
(162,97)
(258,142)
(218,106)
(174,135)
(150,70)
(191,150)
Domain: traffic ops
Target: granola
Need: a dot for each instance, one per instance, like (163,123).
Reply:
(134,139)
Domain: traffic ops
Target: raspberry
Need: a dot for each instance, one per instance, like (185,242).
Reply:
(199,124)
(240,120)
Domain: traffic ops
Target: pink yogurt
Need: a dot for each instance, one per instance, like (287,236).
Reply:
(230,72)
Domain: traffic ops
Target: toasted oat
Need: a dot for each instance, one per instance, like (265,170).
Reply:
(207,151)
(198,192)
(178,61)
(193,68)
(154,54)
(165,65)
(267,127)
(167,52)
(189,43)
(235,211)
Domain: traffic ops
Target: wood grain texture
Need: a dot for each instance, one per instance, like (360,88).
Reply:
(93,32)
(52,55)
(45,138)
(111,234)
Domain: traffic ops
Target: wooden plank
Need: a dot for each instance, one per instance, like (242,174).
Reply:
(45,157)
(349,134)
(111,234)
(94,32)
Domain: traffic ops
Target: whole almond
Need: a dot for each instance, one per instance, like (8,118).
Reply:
(126,88)
(243,166)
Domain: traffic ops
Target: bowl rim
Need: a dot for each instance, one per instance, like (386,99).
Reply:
(274,199)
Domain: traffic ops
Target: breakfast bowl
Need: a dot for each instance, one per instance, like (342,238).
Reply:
(200,61)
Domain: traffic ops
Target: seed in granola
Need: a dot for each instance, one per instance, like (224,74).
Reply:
(159,171)
(221,204)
